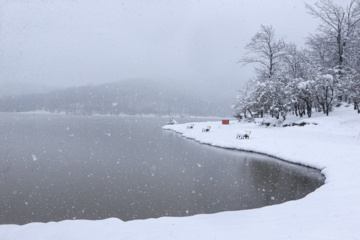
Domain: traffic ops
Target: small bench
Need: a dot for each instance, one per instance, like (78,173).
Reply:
(207,129)
(245,135)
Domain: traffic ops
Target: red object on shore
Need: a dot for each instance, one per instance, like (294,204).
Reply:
(225,121)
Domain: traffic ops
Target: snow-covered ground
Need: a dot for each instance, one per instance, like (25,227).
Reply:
(331,212)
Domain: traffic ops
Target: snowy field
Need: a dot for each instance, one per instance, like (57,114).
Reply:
(331,212)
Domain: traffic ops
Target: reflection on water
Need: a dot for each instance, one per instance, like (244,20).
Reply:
(55,167)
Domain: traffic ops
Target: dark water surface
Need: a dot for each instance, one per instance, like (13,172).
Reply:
(56,167)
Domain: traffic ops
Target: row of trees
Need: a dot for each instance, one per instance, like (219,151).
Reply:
(292,80)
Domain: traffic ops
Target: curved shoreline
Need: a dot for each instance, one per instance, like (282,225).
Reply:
(331,212)
(249,151)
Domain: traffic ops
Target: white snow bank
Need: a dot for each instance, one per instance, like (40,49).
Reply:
(331,212)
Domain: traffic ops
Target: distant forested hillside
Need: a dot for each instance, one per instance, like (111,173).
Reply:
(124,97)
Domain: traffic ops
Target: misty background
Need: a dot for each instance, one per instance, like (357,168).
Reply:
(178,56)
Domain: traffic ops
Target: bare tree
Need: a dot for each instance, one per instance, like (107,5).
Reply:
(266,51)
(320,51)
(295,62)
(338,24)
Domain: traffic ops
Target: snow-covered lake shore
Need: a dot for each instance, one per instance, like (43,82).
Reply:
(331,212)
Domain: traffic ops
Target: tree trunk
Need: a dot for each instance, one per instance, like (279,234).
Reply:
(309,113)
(277,115)
(328,105)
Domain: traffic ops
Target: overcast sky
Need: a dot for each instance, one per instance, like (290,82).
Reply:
(76,42)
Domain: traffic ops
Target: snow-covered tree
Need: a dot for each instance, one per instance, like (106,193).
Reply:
(301,94)
(243,102)
(351,87)
(298,81)
(326,91)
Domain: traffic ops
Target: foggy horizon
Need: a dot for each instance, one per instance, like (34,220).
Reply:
(72,43)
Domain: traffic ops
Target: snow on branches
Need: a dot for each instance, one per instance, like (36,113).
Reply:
(296,81)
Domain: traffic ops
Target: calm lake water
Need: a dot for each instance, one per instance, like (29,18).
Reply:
(56,167)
